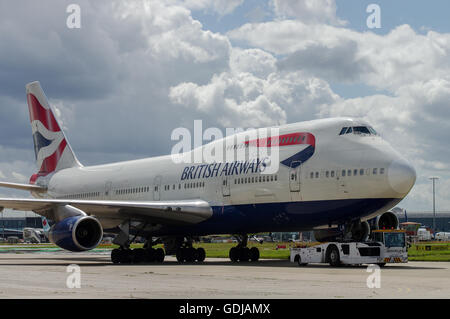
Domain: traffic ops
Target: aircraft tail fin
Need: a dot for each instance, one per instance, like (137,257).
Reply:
(45,226)
(51,148)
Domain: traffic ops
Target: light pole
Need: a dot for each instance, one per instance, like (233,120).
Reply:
(434,178)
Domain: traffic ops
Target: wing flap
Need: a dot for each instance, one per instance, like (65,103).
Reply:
(165,212)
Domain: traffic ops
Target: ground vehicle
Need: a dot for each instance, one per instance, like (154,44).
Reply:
(386,246)
(423,234)
(442,236)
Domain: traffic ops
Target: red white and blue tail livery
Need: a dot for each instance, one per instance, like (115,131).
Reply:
(52,151)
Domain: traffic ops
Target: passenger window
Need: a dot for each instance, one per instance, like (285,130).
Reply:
(343,172)
(361,172)
(355,172)
(375,171)
(332,173)
(381,171)
(349,172)
(317,174)
(312,175)
(327,174)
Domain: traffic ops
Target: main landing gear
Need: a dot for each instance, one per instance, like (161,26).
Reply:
(187,253)
(242,253)
(126,255)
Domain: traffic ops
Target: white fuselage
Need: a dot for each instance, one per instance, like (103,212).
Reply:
(347,169)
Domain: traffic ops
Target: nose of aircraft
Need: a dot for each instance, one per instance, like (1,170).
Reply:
(401,176)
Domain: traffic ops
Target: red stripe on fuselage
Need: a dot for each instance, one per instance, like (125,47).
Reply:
(284,140)
(41,114)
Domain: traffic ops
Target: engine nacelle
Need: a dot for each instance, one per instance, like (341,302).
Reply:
(76,233)
(387,220)
(330,234)
(358,231)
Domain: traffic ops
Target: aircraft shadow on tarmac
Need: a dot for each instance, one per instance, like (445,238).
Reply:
(86,261)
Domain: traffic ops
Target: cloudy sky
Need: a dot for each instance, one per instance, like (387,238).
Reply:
(136,70)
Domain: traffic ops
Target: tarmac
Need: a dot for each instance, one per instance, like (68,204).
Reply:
(47,275)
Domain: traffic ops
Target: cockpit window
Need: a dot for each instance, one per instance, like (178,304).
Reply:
(359,130)
(344,129)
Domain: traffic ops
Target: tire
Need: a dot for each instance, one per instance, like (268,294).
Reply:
(299,262)
(333,256)
(159,255)
(381,264)
(115,256)
(180,255)
(244,254)
(138,255)
(234,254)
(201,255)
(126,256)
(254,254)
(190,255)
(150,255)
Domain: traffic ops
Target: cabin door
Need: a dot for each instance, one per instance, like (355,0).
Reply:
(157,188)
(226,186)
(294,177)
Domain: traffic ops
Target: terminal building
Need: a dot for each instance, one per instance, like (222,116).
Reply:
(12,223)
(425,218)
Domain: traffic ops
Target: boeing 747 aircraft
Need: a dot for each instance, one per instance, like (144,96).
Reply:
(336,176)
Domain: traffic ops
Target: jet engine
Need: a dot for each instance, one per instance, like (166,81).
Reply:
(387,220)
(76,233)
(358,231)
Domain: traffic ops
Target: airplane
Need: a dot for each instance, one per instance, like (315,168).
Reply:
(337,177)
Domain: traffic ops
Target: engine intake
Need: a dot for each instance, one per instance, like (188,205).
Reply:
(76,233)
(387,220)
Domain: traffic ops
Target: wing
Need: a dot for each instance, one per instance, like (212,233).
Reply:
(24,187)
(161,212)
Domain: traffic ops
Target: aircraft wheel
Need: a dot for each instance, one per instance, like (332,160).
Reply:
(254,254)
(234,254)
(150,255)
(126,256)
(190,255)
(138,255)
(180,255)
(244,254)
(201,254)
(115,256)
(159,255)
